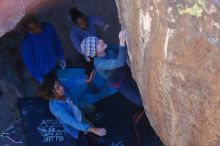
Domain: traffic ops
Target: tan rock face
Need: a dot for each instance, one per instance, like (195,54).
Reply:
(12,11)
(174,51)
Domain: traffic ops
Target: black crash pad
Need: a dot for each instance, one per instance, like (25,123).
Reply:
(40,127)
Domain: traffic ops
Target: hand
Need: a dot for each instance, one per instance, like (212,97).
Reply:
(122,37)
(106,27)
(91,77)
(63,64)
(98,131)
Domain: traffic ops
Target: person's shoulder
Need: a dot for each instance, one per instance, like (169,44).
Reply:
(113,46)
(53,104)
(26,39)
(53,107)
(93,17)
(74,31)
(47,26)
(96,60)
(99,60)
(96,20)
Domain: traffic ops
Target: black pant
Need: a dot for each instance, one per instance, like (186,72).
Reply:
(88,139)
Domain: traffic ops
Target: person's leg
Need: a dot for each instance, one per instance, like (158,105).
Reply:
(96,140)
(90,112)
(93,139)
(82,140)
(87,109)
(130,90)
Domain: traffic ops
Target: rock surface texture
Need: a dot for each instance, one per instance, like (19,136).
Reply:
(11,12)
(174,52)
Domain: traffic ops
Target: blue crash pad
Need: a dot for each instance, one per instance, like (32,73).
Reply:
(73,79)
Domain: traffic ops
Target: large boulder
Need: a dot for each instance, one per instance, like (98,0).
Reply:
(174,52)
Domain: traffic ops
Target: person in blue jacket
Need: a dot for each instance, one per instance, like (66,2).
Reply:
(85,26)
(69,114)
(110,63)
(41,48)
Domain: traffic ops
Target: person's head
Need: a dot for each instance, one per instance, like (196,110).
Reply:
(78,18)
(92,46)
(101,47)
(51,88)
(31,24)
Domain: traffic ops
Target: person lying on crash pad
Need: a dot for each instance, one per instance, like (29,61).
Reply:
(69,115)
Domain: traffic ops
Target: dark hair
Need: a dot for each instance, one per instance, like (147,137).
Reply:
(75,14)
(46,89)
(28,20)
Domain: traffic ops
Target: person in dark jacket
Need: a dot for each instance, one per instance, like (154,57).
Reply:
(85,26)
(41,48)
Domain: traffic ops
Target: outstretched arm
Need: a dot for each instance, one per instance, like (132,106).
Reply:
(109,64)
(68,119)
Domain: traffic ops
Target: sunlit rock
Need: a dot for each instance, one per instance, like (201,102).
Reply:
(174,52)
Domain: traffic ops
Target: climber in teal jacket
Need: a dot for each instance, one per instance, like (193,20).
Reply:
(110,63)
(41,48)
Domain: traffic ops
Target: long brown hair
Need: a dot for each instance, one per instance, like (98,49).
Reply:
(46,90)
(29,19)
